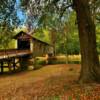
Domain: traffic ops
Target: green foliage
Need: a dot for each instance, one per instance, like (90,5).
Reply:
(98,38)
(6,41)
(68,40)
(42,34)
(39,63)
(8,21)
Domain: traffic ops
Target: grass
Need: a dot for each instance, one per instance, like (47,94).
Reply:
(72,59)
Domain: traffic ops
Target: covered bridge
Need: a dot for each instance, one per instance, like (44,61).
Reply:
(26,41)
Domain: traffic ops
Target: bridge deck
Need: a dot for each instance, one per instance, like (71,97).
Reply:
(4,54)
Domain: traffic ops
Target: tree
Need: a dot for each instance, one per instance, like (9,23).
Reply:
(8,21)
(90,71)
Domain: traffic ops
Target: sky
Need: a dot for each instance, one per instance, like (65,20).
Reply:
(20,14)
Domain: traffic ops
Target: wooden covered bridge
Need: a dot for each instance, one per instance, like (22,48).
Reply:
(27,47)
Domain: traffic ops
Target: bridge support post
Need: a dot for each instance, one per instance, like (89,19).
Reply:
(9,65)
(1,67)
(24,62)
(14,64)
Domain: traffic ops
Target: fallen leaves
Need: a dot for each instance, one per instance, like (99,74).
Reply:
(53,82)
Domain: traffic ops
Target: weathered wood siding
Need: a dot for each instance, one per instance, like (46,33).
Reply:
(40,49)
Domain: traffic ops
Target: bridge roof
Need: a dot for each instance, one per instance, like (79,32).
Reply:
(24,35)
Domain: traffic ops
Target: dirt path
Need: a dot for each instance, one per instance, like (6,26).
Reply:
(49,81)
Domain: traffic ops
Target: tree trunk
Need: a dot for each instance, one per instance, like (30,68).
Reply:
(53,40)
(90,69)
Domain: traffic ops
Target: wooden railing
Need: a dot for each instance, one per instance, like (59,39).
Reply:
(13,53)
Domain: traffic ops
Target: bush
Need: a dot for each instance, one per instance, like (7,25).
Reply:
(39,63)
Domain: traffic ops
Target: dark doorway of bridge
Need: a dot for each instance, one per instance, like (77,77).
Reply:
(23,44)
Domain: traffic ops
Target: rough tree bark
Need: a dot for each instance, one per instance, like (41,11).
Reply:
(90,68)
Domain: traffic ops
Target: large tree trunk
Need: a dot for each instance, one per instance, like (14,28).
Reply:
(90,69)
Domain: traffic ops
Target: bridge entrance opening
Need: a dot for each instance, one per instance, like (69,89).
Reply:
(23,44)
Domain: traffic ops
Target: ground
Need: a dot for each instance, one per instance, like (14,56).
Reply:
(52,82)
